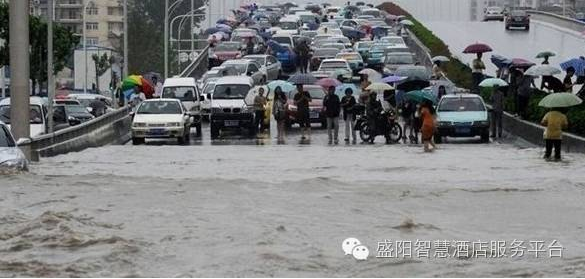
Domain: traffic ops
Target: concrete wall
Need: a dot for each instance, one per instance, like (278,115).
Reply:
(560,21)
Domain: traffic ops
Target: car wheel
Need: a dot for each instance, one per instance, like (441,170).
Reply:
(214,131)
(252,132)
(527,27)
(438,138)
(485,136)
(137,141)
(507,27)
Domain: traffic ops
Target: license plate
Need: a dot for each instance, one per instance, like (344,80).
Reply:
(462,130)
(231,123)
(314,115)
(157,131)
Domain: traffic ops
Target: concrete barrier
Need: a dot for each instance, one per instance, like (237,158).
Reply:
(557,20)
(113,127)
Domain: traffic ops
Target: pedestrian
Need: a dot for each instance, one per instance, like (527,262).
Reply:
(427,114)
(279,109)
(545,62)
(302,99)
(158,86)
(555,121)
(477,72)
(373,111)
(302,50)
(524,93)
(348,103)
(332,109)
(437,71)
(553,84)
(137,97)
(497,100)
(250,47)
(259,109)
(568,81)
(442,92)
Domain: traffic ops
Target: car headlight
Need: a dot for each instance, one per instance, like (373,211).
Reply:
(15,164)
(71,118)
(138,124)
(216,110)
(174,124)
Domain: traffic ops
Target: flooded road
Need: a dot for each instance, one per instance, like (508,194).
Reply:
(283,210)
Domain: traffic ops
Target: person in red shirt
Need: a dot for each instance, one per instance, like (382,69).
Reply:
(427,115)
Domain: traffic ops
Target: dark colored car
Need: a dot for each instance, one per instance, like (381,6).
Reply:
(518,19)
(225,51)
(65,116)
(316,114)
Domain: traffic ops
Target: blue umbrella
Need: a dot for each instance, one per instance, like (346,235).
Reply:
(266,36)
(501,61)
(340,90)
(211,30)
(276,46)
(222,21)
(284,85)
(304,79)
(577,63)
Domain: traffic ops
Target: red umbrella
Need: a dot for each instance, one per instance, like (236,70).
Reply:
(521,63)
(147,88)
(477,48)
(328,82)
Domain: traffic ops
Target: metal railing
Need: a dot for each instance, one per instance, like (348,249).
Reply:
(558,20)
(199,66)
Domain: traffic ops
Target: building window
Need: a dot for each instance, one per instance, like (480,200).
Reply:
(114,26)
(92,10)
(92,41)
(114,11)
(92,25)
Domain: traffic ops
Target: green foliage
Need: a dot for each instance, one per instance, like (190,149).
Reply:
(102,64)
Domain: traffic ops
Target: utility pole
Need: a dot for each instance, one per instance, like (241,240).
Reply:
(50,68)
(166,28)
(125,71)
(192,26)
(20,69)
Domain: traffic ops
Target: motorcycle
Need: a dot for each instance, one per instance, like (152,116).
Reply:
(385,125)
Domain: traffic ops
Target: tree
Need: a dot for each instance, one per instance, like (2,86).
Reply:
(64,42)
(102,64)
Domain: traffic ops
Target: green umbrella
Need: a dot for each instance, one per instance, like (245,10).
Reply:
(545,54)
(491,82)
(560,100)
(420,95)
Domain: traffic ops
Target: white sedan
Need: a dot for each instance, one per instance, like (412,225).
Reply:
(270,67)
(11,158)
(161,118)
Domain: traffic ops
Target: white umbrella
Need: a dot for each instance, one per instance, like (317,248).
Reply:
(542,70)
(440,58)
(373,76)
(407,22)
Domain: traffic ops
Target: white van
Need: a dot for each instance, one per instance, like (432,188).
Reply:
(185,90)
(38,115)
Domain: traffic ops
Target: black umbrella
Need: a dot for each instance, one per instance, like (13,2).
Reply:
(412,85)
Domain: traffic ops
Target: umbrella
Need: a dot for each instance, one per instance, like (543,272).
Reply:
(577,63)
(328,82)
(440,58)
(500,61)
(147,88)
(413,72)
(223,26)
(392,79)
(491,82)
(560,100)
(379,86)
(372,74)
(275,46)
(542,70)
(284,85)
(391,17)
(521,63)
(412,85)
(304,79)
(477,48)
(340,90)
(545,54)
(352,33)
(222,21)
(407,22)
(131,81)
(211,30)
(421,95)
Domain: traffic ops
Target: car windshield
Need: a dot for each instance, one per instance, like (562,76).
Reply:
(160,107)
(337,46)
(209,88)
(228,47)
(333,65)
(183,93)
(495,9)
(379,48)
(283,40)
(461,104)
(394,41)
(374,13)
(349,56)
(85,102)
(518,13)
(67,102)
(365,44)
(260,59)
(76,109)
(240,68)
(308,18)
(230,91)
(326,52)
(288,25)
(5,138)
(36,117)
(400,59)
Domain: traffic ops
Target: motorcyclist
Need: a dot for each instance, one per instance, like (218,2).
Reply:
(373,111)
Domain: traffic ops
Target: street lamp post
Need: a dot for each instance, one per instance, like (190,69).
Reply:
(84,11)
(50,69)
(168,11)
(125,71)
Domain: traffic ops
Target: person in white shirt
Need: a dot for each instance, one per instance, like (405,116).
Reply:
(137,97)
(158,86)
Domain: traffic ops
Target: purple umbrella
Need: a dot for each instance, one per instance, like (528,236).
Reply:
(477,48)
(393,79)
(328,82)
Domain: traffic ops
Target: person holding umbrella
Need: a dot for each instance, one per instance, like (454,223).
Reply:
(303,50)
(555,121)
(332,108)
(302,99)
(427,115)
(279,111)
(497,100)
(477,71)
(348,102)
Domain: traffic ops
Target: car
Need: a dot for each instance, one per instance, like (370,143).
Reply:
(493,13)
(228,106)
(351,23)
(363,48)
(366,17)
(331,66)
(320,38)
(38,115)
(308,33)
(225,51)
(256,40)
(270,67)
(65,116)
(287,57)
(376,54)
(206,92)
(284,39)
(330,25)
(355,60)
(462,115)
(376,13)
(397,41)
(307,18)
(217,72)
(340,47)
(186,91)
(289,25)
(338,40)
(161,118)
(316,114)
(11,157)
(86,100)
(66,101)
(518,19)
(395,49)
(397,59)
(247,67)
(321,54)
